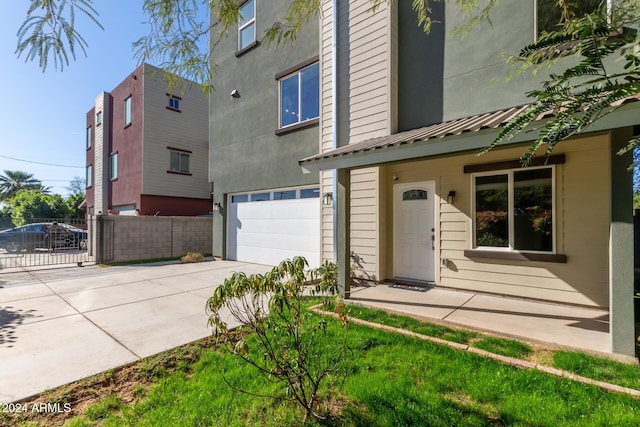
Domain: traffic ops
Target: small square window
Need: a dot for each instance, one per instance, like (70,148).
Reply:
(179,162)
(300,96)
(247,24)
(240,198)
(174,103)
(260,197)
(309,193)
(127,111)
(284,195)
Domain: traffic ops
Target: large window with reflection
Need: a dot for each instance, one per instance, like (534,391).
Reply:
(300,96)
(549,15)
(513,210)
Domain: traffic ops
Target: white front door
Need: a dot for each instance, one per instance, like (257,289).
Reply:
(414,231)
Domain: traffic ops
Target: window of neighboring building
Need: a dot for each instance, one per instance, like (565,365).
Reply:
(89,137)
(247,24)
(549,15)
(113,166)
(309,193)
(174,102)
(514,210)
(127,111)
(300,96)
(98,118)
(89,176)
(179,161)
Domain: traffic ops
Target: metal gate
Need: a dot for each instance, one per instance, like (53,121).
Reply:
(42,242)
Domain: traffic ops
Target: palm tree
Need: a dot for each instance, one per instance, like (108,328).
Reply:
(12,181)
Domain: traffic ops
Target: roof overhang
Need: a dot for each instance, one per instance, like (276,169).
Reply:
(450,138)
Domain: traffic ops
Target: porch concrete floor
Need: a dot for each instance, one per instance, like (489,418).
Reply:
(546,323)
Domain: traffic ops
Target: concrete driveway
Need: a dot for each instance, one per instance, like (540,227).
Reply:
(61,325)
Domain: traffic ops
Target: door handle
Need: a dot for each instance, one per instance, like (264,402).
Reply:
(433,242)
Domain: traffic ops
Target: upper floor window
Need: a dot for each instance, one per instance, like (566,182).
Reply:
(89,176)
(514,209)
(247,24)
(179,161)
(300,96)
(127,111)
(89,136)
(549,15)
(174,102)
(113,166)
(98,118)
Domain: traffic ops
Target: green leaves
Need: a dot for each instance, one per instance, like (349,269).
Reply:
(284,340)
(49,31)
(590,85)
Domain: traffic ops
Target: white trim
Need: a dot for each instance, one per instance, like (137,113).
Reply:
(429,186)
(288,76)
(510,210)
(247,24)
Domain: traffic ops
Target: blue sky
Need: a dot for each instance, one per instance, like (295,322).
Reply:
(43,115)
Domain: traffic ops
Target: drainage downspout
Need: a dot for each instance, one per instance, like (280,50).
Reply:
(334,120)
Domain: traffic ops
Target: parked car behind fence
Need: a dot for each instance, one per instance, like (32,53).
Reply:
(46,236)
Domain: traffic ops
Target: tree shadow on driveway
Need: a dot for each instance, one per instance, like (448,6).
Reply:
(10,321)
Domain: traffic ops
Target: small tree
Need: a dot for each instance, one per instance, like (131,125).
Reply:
(289,340)
(29,204)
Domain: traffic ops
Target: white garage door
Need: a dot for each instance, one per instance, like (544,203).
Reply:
(267,227)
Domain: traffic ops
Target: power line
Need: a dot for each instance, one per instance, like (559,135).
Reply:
(42,163)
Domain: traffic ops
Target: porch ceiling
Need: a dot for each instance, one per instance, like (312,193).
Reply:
(454,136)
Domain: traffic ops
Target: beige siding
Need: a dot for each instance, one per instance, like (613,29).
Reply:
(101,150)
(186,130)
(582,227)
(367,63)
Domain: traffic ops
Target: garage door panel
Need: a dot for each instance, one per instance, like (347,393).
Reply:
(267,232)
(277,226)
(266,240)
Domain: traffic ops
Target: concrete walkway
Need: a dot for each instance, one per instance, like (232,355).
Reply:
(61,325)
(533,321)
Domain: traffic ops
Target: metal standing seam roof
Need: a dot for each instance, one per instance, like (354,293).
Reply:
(491,120)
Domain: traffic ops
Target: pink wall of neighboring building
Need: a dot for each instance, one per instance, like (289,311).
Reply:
(174,206)
(130,142)
(90,156)
(126,140)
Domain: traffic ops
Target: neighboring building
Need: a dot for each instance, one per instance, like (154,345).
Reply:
(263,119)
(415,203)
(147,149)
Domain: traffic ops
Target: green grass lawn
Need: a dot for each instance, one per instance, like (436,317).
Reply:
(392,380)
(598,368)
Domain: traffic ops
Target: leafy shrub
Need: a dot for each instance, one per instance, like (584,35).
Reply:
(285,341)
(191,257)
